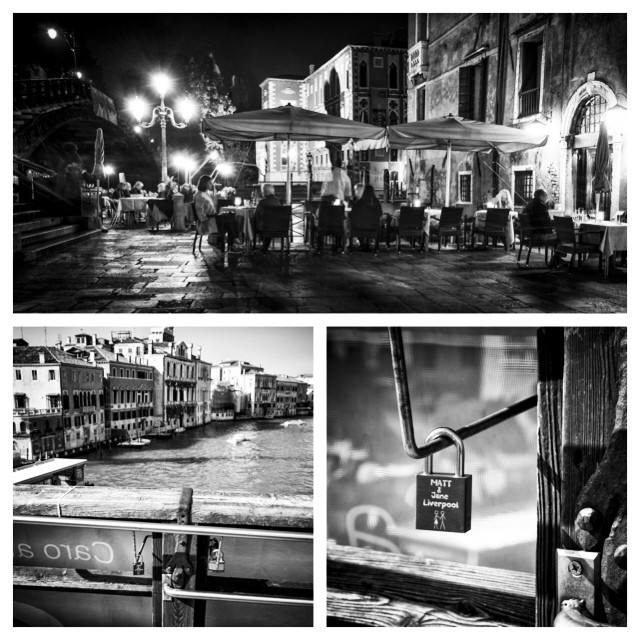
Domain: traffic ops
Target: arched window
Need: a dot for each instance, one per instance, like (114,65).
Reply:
(65,401)
(76,401)
(590,115)
(393,118)
(393,76)
(363,75)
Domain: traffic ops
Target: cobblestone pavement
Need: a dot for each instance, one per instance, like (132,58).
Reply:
(137,271)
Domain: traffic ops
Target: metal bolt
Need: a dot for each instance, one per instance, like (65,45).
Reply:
(588,519)
(575,568)
(620,556)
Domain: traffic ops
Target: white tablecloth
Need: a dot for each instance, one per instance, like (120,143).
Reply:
(133,205)
(614,238)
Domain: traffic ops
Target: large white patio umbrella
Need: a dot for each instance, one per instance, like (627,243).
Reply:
(287,123)
(452,133)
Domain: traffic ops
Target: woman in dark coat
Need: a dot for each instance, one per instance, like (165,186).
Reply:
(365,197)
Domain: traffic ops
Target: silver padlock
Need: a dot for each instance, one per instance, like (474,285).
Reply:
(443,500)
(216,557)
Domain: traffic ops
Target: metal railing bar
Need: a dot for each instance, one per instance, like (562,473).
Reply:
(181,594)
(404,407)
(165,527)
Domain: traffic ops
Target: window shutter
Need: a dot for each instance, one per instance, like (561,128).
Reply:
(465,92)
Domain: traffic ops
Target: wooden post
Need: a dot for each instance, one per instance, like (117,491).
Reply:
(550,373)
(581,412)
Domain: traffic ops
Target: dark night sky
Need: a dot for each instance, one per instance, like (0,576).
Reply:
(250,45)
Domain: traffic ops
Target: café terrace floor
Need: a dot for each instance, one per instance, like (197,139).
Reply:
(138,271)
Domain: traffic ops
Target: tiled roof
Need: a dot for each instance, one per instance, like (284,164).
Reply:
(31,355)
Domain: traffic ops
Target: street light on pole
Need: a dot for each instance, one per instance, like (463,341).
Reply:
(109,170)
(70,38)
(162,84)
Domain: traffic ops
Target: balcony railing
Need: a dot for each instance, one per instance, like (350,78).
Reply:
(529,102)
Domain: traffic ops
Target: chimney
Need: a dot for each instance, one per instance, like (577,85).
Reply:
(190,350)
(312,68)
(95,339)
(68,339)
(59,345)
(199,353)
(92,357)
(41,356)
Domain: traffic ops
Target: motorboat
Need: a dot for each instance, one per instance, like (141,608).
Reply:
(137,442)
(294,423)
(237,438)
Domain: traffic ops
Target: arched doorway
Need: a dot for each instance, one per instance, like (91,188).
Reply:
(581,125)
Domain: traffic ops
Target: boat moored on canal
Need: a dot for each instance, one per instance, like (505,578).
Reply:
(56,471)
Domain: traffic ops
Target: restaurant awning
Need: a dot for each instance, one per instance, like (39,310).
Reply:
(287,124)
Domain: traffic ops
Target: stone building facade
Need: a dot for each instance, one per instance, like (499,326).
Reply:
(563,74)
(49,381)
(361,82)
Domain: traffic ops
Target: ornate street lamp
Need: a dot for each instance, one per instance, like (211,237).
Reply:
(70,39)
(161,113)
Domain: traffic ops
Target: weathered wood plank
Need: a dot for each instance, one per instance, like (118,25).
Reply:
(73,580)
(500,595)
(376,611)
(216,508)
(550,385)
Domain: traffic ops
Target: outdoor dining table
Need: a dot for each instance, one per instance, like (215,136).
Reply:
(481,215)
(159,210)
(614,238)
(245,220)
(129,210)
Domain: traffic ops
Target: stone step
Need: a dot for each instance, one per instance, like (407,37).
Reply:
(27,214)
(35,224)
(38,237)
(34,252)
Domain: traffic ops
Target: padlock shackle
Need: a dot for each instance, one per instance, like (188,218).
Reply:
(443,432)
(404,407)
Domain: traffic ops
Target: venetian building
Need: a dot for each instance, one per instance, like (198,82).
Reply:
(564,74)
(361,82)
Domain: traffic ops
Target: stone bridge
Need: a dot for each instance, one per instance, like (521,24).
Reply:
(49,112)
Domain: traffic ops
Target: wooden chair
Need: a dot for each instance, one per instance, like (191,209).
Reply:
(330,223)
(221,236)
(276,223)
(195,236)
(535,237)
(495,226)
(570,241)
(365,223)
(411,225)
(450,225)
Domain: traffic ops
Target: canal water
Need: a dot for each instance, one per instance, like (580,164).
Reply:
(258,456)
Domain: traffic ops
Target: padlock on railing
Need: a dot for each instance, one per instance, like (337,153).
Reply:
(443,500)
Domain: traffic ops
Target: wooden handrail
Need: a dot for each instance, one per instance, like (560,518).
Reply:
(499,594)
(214,508)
